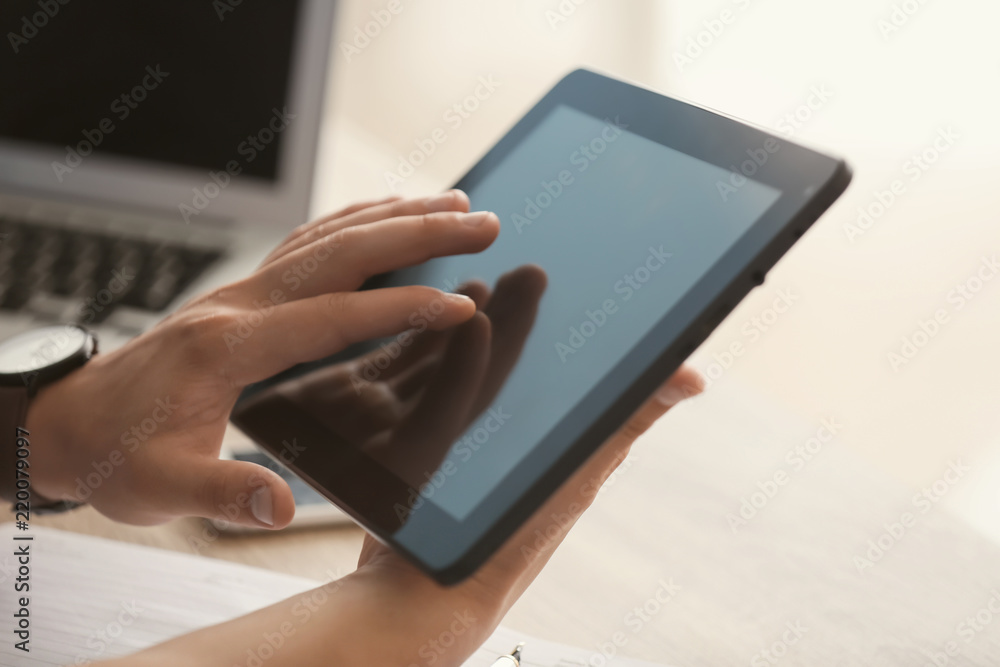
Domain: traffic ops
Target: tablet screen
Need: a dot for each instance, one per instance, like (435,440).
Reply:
(602,232)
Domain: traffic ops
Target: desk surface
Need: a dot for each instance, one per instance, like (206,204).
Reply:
(667,516)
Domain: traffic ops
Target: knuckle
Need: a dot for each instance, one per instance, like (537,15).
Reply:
(310,236)
(343,237)
(197,333)
(620,448)
(416,297)
(326,232)
(433,225)
(447,219)
(635,428)
(337,304)
(399,207)
(344,212)
(444,201)
(426,295)
(426,222)
(196,326)
(299,230)
(338,308)
(208,299)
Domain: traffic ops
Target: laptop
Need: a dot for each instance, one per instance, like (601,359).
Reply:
(150,151)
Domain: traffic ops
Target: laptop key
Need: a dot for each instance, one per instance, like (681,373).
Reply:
(94,269)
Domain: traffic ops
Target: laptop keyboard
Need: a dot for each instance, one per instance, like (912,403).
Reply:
(98,273)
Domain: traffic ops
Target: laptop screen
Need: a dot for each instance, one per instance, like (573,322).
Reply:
(191,83)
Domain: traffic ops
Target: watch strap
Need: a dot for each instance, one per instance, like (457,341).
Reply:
(13,411)
(14,401)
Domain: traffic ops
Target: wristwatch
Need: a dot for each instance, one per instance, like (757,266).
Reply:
(28,362)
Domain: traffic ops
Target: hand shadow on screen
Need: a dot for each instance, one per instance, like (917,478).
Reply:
(407,402)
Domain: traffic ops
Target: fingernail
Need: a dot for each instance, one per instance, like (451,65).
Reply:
(262,506)
(442,202)
(475,219)
(670,395)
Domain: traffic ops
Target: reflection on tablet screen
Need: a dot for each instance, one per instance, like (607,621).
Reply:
(602,231)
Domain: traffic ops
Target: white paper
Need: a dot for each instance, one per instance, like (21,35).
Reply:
(94,599)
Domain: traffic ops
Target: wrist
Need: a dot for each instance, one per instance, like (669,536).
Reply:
(405,618)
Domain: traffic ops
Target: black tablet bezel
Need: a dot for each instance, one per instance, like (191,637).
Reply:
(450,550)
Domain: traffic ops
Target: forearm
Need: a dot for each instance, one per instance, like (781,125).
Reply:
(363,619)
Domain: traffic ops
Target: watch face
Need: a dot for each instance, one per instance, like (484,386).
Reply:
(40,348)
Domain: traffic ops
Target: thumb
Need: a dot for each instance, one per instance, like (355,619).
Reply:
(239,492)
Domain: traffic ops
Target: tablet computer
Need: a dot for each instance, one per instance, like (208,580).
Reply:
(631,225)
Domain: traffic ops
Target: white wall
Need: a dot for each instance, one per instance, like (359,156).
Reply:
(893,90)
(432,55)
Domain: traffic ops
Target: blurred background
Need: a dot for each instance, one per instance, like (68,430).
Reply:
(875,82)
